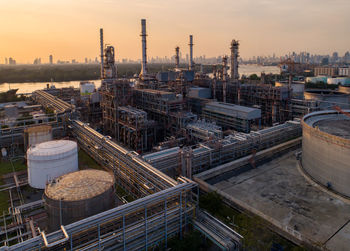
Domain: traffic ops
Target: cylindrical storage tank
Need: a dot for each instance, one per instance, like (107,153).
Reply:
(49,160)
(328,98)
(326,149)
(78,195)
(38,134)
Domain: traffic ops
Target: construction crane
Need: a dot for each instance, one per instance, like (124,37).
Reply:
(338,109)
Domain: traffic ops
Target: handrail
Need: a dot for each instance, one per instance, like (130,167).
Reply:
(49,245)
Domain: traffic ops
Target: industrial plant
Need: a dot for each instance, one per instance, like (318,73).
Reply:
(160,141)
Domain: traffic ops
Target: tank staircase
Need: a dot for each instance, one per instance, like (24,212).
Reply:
(223,236)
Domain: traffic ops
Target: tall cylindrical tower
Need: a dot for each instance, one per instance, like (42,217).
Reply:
(144,48)
(101,52)
(177,57)
(234,59)
(191,53)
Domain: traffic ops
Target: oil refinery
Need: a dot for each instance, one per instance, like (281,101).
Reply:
(162,141)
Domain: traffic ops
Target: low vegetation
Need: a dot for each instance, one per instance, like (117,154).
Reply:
(86,162)
(71,72)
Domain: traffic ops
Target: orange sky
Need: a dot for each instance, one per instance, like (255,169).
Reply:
(70,28)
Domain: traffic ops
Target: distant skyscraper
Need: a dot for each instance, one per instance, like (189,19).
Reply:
(6,61)
(51,59)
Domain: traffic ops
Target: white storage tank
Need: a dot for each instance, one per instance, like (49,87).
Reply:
(49,160)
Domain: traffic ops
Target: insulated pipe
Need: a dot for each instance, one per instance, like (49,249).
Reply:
(191,53)
(144,48)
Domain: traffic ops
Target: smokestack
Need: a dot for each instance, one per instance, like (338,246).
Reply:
(224,68)
(234,60)
(191,52)
(177,57)
(144,54)
(101,52)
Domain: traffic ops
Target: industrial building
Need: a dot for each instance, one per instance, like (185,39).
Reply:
(230,116)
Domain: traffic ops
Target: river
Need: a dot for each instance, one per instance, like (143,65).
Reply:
(29,87)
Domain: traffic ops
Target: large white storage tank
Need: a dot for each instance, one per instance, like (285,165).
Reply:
(49,160)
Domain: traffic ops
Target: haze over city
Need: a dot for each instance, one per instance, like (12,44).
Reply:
(69,29)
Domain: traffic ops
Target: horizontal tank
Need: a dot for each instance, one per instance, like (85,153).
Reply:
(49,160)
(78,195)
(326,149)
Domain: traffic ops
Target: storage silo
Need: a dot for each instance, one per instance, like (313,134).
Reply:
(78,195)
(326,149)
(49,160)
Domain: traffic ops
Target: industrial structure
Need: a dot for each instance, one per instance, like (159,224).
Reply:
(144,70)
(230,116)
(325,151)
(164,206)
(234,60)
(154,133)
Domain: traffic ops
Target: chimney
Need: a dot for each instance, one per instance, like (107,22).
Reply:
(177,57)
(144,48)
(191,53)
(101,52)
(234,60)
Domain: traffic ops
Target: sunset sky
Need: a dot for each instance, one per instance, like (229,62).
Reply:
(69,29)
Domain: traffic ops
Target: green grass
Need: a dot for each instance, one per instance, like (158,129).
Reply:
(86,162)
(6,167)
(257,236)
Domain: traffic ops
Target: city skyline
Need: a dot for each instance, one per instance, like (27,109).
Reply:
(69,30)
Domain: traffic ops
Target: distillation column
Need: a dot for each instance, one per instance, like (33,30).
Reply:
(191,53)
(101,52)
(234,59)
(224,77)
(177,57)
(144,48)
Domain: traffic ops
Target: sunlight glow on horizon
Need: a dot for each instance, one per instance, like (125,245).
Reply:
(70,29)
